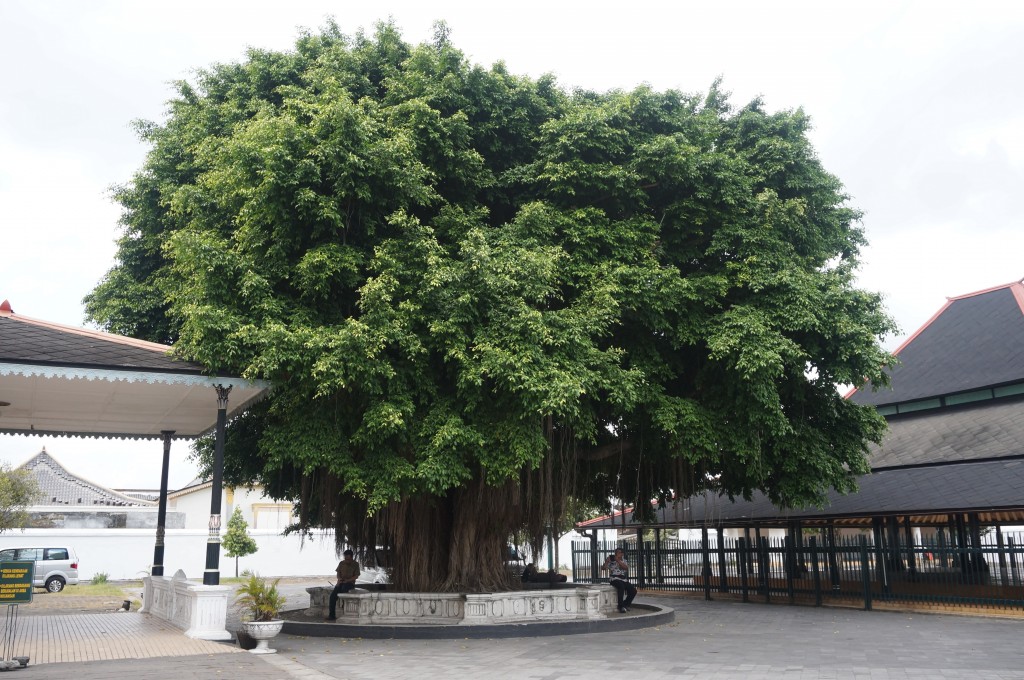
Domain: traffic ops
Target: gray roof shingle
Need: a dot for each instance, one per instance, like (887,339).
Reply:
(24,340)
(60,487)
(975,341)
(984,430)
(975,487)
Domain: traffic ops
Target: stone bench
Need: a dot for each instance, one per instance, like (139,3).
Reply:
(578,602)
(318,597)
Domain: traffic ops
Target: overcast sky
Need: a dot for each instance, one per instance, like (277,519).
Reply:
(917,107)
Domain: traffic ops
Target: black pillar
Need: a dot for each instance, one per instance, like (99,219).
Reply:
(659,576)
(750,550)
(723,576)
(892,525)
(161,513)
(881,573)
(641,559)
(794,549)
(908,532)
(211,576)
(1003,573)
(978,565)
(963,551)
(705,561)
(833,557)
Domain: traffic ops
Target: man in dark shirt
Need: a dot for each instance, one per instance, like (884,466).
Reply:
(348,572)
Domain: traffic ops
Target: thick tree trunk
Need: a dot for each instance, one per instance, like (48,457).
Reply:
(456,543)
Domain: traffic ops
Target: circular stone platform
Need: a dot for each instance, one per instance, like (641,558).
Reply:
(296,622)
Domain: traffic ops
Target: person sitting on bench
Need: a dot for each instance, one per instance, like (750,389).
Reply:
(348,572)
(618,570)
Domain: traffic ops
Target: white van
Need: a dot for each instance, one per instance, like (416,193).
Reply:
(55,567)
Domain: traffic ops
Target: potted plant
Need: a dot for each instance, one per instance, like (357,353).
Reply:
(259,602)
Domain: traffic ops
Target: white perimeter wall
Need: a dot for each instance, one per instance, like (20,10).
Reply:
(127,553)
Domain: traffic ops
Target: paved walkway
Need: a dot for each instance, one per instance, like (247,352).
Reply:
(718,639)
(51,639)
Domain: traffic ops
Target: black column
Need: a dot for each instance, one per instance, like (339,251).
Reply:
(211,577)
(908,532)
(659,576)
(833,558)
(161,513)
(723,575)
(705,561)
(882,574)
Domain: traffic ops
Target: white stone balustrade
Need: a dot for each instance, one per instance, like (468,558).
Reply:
(200,610)
(518,606)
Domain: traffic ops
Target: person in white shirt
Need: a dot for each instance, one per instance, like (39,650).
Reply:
(618,571)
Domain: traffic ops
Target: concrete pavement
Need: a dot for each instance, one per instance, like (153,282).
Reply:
(718,639)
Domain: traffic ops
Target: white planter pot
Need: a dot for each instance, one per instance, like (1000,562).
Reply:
(262,632)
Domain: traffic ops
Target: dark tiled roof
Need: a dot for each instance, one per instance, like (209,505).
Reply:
(24,340)
(989,429)
(975,341)
(975,487)
(60,487)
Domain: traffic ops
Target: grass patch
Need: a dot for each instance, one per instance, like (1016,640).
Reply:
(96,590)
(120,589)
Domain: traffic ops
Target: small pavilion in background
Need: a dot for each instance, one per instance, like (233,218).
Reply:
(64,381)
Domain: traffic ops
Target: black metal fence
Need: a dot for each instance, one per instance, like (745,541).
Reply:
(824,569)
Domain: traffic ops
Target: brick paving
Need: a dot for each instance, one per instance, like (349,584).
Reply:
(717,639)
(61,638)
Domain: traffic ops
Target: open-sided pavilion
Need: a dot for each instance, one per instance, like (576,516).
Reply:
(74,382)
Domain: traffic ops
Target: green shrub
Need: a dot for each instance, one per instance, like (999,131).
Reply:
(258,600)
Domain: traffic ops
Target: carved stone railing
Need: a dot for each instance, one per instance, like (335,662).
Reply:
(201,611)
(518,606)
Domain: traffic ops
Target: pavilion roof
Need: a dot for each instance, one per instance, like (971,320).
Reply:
(67,381)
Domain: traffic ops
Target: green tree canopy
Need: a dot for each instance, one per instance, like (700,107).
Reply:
(478,294)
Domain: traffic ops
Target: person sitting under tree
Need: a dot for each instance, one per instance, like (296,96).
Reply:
(348,572)
(618,570)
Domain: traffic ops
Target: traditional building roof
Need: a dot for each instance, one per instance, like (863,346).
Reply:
(990,488)
(28,340)
(981,430)
(975,341)
(957,392)
(60,487)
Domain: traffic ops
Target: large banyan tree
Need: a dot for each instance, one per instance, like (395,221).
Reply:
(480,296)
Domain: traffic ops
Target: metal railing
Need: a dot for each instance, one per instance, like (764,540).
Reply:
(848,570)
